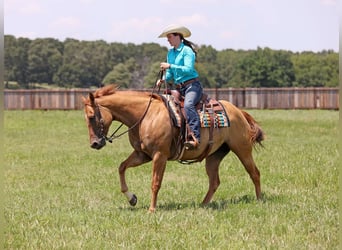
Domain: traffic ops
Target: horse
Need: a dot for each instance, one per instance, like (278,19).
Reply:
(153,137)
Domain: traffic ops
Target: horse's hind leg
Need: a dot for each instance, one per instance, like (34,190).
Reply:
(212,167)
(247,160)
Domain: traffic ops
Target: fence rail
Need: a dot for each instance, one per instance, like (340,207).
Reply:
(249,98)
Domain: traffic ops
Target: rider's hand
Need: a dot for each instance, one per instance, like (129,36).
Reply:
(159,82)
(164,66)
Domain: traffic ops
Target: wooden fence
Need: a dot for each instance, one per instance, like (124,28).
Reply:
(248,98)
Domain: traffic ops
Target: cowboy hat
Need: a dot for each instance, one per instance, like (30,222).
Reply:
(176,29)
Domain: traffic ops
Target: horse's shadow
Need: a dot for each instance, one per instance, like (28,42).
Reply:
(219,204)
(216,205)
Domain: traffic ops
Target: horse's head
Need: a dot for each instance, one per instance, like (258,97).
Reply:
(98,120)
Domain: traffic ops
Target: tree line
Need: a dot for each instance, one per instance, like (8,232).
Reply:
(83,64)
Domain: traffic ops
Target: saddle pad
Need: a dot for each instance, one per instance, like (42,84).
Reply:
(220,117)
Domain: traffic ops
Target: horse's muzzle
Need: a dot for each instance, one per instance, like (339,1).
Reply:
(98,143)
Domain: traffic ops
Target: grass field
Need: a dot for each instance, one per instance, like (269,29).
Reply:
(61,194)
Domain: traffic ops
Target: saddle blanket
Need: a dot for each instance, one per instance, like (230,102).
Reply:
(220,117)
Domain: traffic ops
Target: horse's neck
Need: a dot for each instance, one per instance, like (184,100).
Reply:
(126,106)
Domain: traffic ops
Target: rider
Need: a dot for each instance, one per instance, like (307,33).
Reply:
(180,67)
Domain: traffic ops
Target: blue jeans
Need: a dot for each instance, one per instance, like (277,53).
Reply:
(192,95)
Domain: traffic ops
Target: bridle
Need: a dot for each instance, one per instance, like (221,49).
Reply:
(98,117)
(100,129)
(113,136)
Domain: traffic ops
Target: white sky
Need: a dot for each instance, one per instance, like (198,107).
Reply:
(296,25)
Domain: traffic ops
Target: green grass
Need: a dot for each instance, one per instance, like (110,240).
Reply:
(61,194)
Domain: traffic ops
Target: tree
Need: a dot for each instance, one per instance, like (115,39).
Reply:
(267,68)
(205,75)
(206,66)
(45,56)
(83,64)
(68,75)
(16,60)
(148,54)
(153,51)
(9,58)
(316,69)
(228,72)
(119,75)
(98,56)
(152,75)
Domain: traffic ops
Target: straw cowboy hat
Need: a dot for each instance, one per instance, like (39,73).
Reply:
(176,29)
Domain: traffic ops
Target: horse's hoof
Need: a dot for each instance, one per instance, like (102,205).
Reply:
(151,210)
(133,201)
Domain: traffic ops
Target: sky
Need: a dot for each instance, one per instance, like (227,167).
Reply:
(295,25)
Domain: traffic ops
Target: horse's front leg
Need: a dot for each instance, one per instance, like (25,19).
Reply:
(135,159)
(158,169)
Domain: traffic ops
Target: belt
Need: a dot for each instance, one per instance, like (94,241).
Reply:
(186,83)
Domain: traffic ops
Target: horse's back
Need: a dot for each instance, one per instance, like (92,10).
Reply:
(234,113)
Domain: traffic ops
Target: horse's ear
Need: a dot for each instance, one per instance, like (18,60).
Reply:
(84,100)
(92,99)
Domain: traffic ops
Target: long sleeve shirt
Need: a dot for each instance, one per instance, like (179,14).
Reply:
(182,64)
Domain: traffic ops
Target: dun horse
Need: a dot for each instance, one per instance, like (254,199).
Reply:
(153,137)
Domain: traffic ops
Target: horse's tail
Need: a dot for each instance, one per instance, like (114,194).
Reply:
(256,133)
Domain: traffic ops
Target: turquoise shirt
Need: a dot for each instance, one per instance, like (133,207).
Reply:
(182,61)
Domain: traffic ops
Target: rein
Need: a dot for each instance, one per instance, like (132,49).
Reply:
(113,135)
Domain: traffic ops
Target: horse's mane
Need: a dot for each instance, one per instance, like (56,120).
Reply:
(106,90)
(112,88)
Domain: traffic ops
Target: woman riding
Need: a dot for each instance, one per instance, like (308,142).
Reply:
(180,68)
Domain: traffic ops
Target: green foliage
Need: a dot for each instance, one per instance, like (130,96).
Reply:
(152,75)
(267,68)
(75,63)
(84,63)
(207,66)
(61,194)
(16,60)
(44,59)
(119,74)
(227,73)
(316,69)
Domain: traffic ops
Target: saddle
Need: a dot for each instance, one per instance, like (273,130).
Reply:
(211,112)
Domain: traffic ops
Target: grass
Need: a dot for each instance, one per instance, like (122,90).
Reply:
(61,194)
